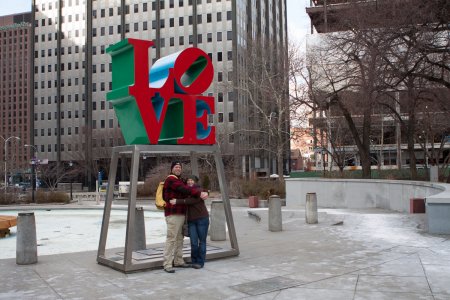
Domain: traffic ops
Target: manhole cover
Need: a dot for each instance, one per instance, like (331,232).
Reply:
(266,285)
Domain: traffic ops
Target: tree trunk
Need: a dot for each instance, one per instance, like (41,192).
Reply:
(411,133)
(280,165)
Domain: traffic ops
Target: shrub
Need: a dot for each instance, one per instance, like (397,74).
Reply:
(145,190)
(205,182)
(263,188)
(6,199)
(49,197)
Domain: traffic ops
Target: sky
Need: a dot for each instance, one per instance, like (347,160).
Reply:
(298,21)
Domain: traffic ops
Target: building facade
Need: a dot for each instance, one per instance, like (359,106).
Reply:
(15,47)
(72,72)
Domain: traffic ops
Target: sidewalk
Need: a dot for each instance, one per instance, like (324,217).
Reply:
(374,254)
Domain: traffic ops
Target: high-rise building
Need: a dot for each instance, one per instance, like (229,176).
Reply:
(15,44)
(72,72)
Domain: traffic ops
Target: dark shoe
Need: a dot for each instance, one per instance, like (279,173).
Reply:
(169,270)
(196,266)
(184,266)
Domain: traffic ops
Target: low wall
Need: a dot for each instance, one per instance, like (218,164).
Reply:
(363,193)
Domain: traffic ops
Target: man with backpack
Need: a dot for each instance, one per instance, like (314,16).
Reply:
(175,188)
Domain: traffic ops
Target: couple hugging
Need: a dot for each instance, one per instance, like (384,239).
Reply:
(184,200)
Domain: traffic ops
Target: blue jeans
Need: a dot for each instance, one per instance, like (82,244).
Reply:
(198,231)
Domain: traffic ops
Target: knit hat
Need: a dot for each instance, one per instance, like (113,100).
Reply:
(193,177)
(174,163)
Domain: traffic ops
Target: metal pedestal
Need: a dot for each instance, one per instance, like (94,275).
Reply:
(152,256)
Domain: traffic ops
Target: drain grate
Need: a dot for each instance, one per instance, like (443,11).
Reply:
(266,285)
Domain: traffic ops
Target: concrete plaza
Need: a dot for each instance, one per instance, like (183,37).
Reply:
(350,254)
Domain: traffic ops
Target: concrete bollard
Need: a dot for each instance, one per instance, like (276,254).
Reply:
(139,242)
(434,173)
(26,244)
(217,229)
(311,209)
(275,218)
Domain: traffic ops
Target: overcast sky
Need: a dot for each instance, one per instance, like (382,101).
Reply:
(298,21)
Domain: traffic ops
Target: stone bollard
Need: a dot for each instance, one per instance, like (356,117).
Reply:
(139,242)
(26,245)
(434,173)
(275,218)
(217,229)
(311,208)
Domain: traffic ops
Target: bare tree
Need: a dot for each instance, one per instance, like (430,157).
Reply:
(264,84)
(51,174)
(384,47)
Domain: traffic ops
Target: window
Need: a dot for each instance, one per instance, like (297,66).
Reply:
(181,21)
(219,76)
(220,97)
(219,36)
(219,16)
(220,117)
(209,37)
(219,56)
(228,15)
(181,40)
(230,117)
(229,35)
(208,18)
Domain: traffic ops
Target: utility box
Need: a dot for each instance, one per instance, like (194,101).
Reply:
(417,206)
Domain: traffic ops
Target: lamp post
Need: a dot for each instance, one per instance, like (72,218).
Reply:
(71,179)
(33,172)
(6,154)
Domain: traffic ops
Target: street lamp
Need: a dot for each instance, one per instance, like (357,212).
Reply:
(33,171)
(6,154)
(71,179)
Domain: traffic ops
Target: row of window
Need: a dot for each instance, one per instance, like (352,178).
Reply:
(209,39)
(14,33)
(76,49)
(68,3)
(102,123)
(102,85)
(76,146)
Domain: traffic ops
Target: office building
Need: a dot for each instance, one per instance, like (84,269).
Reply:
(72,72)
(15,45)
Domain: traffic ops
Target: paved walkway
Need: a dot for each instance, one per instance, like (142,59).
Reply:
(373,254)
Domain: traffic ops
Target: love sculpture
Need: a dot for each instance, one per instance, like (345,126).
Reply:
(163,105)
(161,110)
